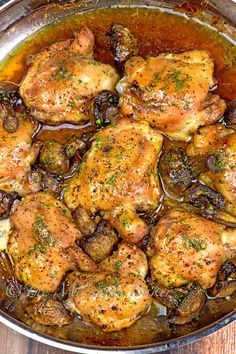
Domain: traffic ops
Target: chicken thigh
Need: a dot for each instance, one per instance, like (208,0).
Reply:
(108,300)
(170,92)
(218,145)
(63,78)
(17,154)
(119,176)
(42,242)
(127,259)
(115,297)
(185,248)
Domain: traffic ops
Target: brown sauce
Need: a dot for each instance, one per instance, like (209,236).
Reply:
(160,32)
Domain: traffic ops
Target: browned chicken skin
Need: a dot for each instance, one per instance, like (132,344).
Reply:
(42,242)
(63,78)
(185,247)
(218,145)
(170,92)
(119,176)
(127,259)
(110,300)
(115,297)
(17,154)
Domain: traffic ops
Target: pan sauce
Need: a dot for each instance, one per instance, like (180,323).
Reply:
(157,36)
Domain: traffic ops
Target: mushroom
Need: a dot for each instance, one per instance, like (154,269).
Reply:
(105,108)
(46,309)
(48,182)
(101,243)
(208,203)
(53,158)
(10,97)
(189,307)
(123,45)
(201,196)
(74,145)
(230,115)
(10,122)
(6,201)
(175,171)
(226,281)
(169,297)
(8,92)
(84,222)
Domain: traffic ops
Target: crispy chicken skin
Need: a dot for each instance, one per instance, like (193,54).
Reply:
(119,176)
(117,295)
(63,78)
(185,247)
(218,145)
(127,259)
(170,92)
(110,301)
(42,243)
(17,154)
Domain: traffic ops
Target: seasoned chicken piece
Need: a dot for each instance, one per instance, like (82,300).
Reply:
(17,154)
(185,248)
(127,259)
(218,145)
(108,300)
(42,243)
(170,92)
(119,176)
(63,78)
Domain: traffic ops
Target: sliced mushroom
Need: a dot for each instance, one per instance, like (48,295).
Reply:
(213,164)
(10,97)
(123,45)
(10,122)
(227,269)
(202,196)
(74,145)
(49,183)
(230,115)
(6,201)
(101,243)
(175,171)
(224,288)
(53,158)
(105,108)
(8,92)
(84,222)
(190,306)
(166,296)
(226,281)
(208,203)
(73,168)
(46,309)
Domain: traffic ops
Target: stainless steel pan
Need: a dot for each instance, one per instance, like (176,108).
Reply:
(18,21)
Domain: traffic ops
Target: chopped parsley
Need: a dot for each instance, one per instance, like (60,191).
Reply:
(62,73)
(191,242)
(112,180)
(179,79)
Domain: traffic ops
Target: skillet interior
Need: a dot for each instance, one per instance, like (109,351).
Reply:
(223,310)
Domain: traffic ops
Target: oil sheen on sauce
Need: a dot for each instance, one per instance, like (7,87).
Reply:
(160,32)
(156,32)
